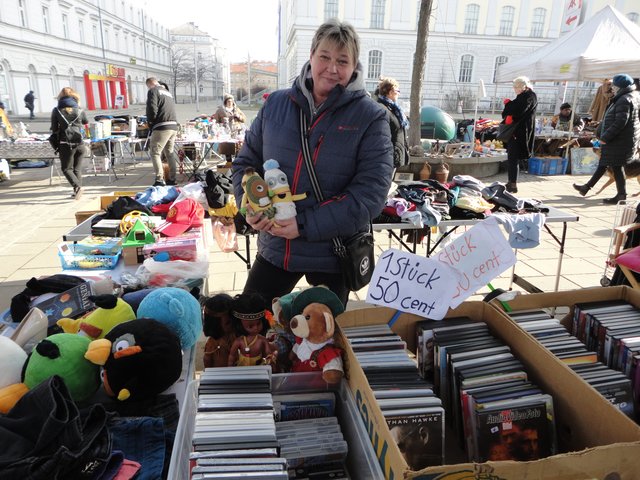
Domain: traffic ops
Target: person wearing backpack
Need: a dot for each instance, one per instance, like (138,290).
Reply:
(68,122)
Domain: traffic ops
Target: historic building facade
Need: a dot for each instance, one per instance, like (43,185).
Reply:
(468,40)
(105,49)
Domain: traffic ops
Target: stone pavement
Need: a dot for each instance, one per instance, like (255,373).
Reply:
(34,216)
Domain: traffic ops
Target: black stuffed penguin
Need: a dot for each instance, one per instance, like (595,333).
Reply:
(141,358)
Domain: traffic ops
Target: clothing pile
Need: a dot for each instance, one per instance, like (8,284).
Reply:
(426,203)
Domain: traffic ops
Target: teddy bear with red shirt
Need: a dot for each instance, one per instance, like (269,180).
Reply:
(314,328)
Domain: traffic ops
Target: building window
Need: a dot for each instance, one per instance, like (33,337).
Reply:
(506,21)
(106,39)
(23,13)
(537,24)
(116,41)
(94,30)
(330,9)
(81,30)
(45,19)
(466,69)
(471,18)
(633,16)
(375,64)
(377,14)
(501,60)
(65,25)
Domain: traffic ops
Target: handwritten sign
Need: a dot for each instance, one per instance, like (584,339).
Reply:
(413,284)
(479,255)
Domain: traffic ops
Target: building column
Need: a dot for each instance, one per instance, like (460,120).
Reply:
(493,19)
(523,22)
(102,93)
(112,91)
(88,92)
(123,92)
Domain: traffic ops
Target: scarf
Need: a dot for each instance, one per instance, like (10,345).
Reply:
(396,110)
(65,102)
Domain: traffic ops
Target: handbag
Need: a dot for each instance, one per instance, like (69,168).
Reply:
(505,132)
(355,254)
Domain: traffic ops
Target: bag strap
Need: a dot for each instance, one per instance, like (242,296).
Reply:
(338,246)
(65,118)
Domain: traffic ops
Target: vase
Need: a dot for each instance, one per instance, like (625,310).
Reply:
(425,173)
(441,172)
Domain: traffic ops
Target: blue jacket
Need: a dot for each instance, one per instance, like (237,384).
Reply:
(350,144)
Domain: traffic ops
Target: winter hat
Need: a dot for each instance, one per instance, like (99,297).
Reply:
(622,80)
(227,97)
(565,105)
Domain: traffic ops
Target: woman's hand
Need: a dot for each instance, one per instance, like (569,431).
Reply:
(258,221)
(285,228)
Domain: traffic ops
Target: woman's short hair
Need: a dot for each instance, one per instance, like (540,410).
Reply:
(339,33)
(69,92)
(522,82)
(387,84)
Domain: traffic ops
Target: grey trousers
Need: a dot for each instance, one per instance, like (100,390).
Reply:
(162,141)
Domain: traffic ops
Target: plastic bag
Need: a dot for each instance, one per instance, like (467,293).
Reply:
(225,236)
(161,274)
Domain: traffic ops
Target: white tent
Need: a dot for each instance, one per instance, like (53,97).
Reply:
(606,44)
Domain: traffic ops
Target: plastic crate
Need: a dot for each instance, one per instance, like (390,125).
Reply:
(547,165)
(71,259)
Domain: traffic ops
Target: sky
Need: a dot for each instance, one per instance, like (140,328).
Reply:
(244,27)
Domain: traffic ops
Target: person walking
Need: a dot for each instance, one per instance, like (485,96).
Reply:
(388,92)
(619,135)
(68,122)
(522,111)
(350,143)
(162,119)
(29,103)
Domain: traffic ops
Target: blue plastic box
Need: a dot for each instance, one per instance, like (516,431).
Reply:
(547,165)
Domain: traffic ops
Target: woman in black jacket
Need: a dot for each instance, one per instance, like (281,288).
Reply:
(522,111)
(387,93)
(68,116)
(619,134)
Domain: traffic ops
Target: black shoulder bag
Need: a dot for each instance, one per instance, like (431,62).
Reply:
(356,254)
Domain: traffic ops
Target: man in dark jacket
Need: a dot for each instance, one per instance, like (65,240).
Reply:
(619,134)
(162,119)
(29,103)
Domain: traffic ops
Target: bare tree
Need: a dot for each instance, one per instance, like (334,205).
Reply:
(417,77)
(181,67)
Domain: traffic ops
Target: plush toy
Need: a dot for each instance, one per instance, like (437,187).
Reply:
(256,194)
(140,359)
(281,197)
(314,328)
(61,354)
(280,335)
(12,358)
(177,309)
(111,311)
(250,322)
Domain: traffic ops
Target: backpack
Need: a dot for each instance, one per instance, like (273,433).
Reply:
(73,133)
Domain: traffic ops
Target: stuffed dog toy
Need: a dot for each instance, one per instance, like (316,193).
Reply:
(314,329)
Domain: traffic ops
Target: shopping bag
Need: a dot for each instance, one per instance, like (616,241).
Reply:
(225,236)
(505,132)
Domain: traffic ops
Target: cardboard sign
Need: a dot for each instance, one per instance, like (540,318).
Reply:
(413,284)
(479,255)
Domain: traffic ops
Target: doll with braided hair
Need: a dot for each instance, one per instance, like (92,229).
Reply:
(249,317)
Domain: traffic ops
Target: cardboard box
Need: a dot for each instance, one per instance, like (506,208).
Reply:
(83,215)
(584,419)
(106,200)
(132,255)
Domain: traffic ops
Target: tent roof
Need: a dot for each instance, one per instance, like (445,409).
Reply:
(606,44)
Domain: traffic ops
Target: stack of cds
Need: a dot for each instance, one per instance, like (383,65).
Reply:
(235,430)
(413,413)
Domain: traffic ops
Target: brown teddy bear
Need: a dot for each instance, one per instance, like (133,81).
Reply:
(314,329)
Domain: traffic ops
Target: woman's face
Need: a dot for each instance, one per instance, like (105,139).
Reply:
(330,66)
(519,88)
(393,94)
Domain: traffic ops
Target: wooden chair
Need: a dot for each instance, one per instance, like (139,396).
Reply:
(626,258)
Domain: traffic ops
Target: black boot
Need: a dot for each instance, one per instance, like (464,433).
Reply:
(512,187)
(614,200)
(582,189)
